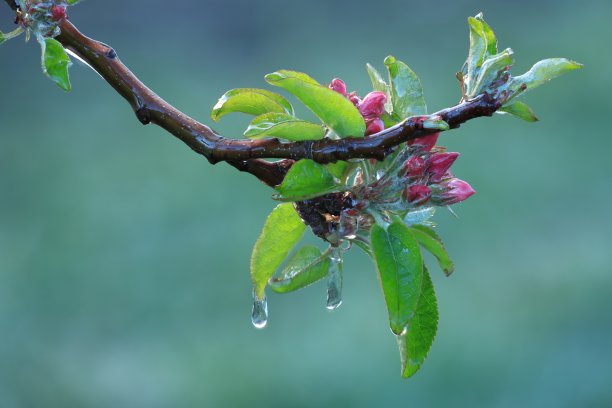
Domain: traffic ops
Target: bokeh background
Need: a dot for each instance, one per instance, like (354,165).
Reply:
(124,256)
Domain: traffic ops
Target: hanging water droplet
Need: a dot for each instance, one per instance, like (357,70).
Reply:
(334,280)
(259,317)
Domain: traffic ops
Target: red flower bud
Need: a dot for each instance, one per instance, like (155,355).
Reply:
(338,85)
(373,105)
(58,13)
(456,191)
(374,126)
(417,194)
(414,167)
(426,143)
(439,163)
(353,97)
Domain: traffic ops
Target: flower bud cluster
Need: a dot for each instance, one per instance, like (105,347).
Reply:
(428,177)
(371,107)
(41,17)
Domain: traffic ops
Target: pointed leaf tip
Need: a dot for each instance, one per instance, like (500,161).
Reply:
(55,62)
(400,271)
(415,343)
(251,101)
(281,232)
(519,110)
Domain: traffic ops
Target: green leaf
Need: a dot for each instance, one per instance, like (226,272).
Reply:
(2,38)
(283,126)
(491,69)
(251,101)
(406,90)
(379,84)
(542,72)
(334,110)
(400,269)
(306,179)
(365,246)
(435,122)
(304,268)
(281,232)
(55,63)
(489,36)
(478,48)
(341,169)
(416,342)
(72,2)
(429,240)
(520,110)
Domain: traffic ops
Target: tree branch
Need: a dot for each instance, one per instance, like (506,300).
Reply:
(150,108)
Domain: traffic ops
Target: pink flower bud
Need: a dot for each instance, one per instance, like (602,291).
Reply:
(338,85)
(374,126)
(414,167)
(417,194)
(439,163)
(353,97)
(456,191)
(58,13)
(426,143)
(373,105)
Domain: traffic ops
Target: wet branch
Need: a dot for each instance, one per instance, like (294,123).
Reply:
(246,155)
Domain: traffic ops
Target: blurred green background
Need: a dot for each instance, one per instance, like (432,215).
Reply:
(124,256)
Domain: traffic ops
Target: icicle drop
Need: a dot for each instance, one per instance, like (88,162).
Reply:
(334,280)
(259,317)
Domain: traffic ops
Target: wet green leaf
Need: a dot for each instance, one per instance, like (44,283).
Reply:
(542,72)
(520,110)
(489,36)
(251,101)
(341,169)
(416,342)
(429,240)
(334,110)
(435,122)
(491,70)
(304,268)
(406,90)
(379,84)
(306,179)
(55,62)
(281,232)
(478,48)
(284,126)
(2,39)
(400,269)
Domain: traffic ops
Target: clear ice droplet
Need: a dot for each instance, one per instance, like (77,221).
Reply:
(259,317)
(334,280)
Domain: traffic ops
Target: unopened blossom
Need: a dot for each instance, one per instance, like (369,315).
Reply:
(417,194)
(455,191)
(373,105)
(414,167)
(374,126)
(426,143)
(338,85)
(439,163)
(58,13)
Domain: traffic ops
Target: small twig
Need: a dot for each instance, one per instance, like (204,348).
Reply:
(150,108)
